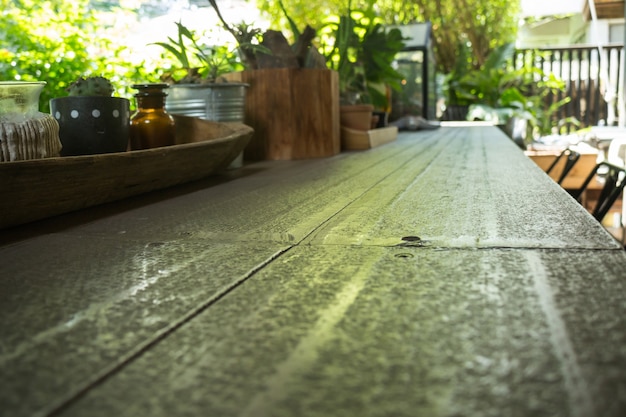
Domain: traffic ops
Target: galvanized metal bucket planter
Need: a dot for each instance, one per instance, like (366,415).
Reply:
(218,102)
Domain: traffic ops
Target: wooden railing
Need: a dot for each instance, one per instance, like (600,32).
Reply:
(593,80)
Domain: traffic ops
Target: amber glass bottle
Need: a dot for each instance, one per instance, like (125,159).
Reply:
(151,126)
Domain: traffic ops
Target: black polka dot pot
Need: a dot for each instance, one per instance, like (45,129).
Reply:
(92,125)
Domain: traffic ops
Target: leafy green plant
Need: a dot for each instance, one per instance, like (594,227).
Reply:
(197,63)
(267,50)
(378,52)
(342,56)
(498,92)
(178,47)
(486,84)
(464,31)
(543,107)
(362,52)
(303,48)
(246,36)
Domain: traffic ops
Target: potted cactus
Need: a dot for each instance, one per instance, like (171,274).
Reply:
(90,119)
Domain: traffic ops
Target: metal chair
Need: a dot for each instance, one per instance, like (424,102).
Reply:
(571,157)
(614,182)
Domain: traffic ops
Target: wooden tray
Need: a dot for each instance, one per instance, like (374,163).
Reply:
(36,189)
(358,140)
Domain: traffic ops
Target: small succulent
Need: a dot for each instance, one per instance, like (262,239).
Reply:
(91,86)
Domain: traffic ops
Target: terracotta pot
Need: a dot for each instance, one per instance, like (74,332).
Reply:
(357,117)
(382,119)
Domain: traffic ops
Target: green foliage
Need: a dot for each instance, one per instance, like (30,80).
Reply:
(246,36)
(60,41)
(379,50)
(292,24)
(342,55)
(199,63)
(543,106)
(464,31)
(362,52)
(498,91)
(486,84)
(178,47)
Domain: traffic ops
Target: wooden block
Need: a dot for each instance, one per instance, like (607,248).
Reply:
(294,113)
(359,139)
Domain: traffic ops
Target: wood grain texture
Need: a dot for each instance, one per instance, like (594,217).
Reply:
(352,139)
(443,274)
(294,113)
(36,189)
(605,9)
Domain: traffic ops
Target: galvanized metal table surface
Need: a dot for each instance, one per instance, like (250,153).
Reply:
(443,274)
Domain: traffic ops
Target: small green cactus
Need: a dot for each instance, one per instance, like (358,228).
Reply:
(91,86)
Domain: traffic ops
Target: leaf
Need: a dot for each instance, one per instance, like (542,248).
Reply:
(292,24)
(499,56)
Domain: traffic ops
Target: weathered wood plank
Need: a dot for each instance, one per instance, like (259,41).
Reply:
(77,305)
(472,190)
(36,189)
(272,200)
(96,292)
(334,303)
(371,331)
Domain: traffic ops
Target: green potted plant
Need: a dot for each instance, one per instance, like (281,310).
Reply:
(379,48)
(519,100)
(458,83)
(197,87)
(90,119)
(498,93)
(362,53)
(293,101)
(343,57)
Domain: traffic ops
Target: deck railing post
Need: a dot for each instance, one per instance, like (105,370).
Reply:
(593,80)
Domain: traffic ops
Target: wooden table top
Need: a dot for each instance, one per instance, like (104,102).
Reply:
(443,274)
